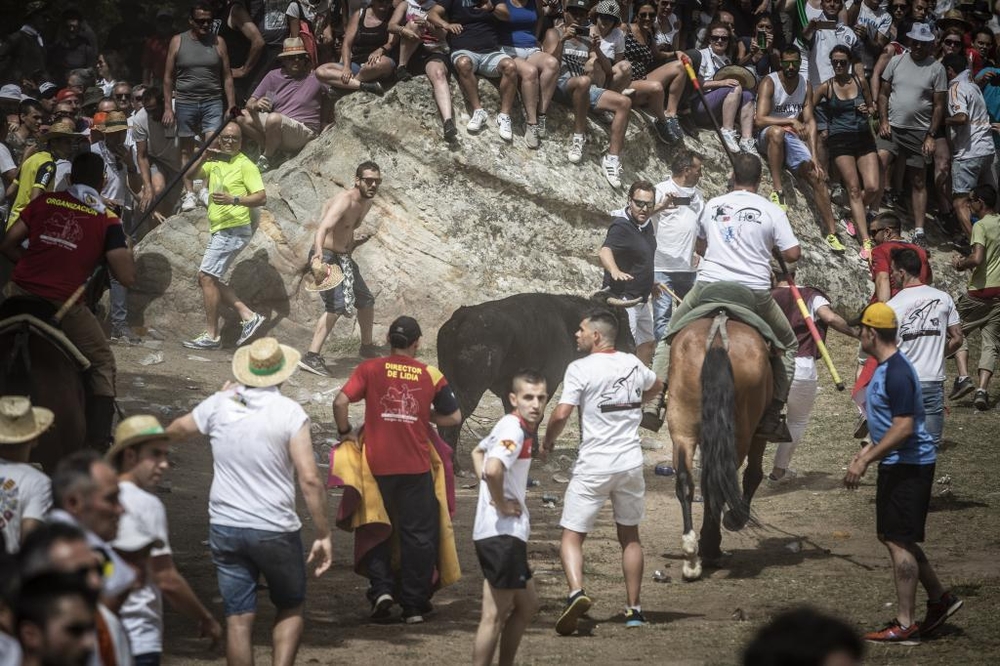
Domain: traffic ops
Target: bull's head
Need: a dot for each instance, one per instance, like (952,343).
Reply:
(624,342)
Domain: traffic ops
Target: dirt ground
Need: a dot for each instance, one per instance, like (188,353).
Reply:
(815,544)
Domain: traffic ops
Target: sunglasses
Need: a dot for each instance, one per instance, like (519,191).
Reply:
(126,96)
(952,42)
(201,21)
(791,63)
(646,15)
(371,181)
(839,62)
(229,139)
(719,39)
(643,205)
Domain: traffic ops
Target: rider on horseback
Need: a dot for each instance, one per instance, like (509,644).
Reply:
(70,233)
(738,232)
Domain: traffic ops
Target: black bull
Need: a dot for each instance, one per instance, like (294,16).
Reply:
(481,347)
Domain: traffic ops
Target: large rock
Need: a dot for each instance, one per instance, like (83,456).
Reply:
(452,226)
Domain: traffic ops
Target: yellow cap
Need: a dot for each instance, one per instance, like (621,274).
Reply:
(876,315)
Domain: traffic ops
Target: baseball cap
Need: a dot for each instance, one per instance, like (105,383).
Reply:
(48,90)
(876,315)
(65,94)
(577,4)
(403,332)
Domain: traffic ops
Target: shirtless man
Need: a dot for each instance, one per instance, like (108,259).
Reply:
(335,240)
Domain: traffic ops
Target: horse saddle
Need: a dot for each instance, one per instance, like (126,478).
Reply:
(34,315)
(738,302)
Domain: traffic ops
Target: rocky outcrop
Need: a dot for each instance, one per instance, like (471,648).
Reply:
(452,226)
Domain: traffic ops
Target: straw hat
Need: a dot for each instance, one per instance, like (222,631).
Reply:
(954,17)
(324,277)
(20,422)
(746,76)
(264,363)
(136,430)
(61,128)
(114,121)
(291,47)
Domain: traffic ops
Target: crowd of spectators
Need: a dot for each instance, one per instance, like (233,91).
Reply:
(851,96)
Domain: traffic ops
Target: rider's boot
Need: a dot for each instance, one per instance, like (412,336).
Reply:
(772,426)
(100,414)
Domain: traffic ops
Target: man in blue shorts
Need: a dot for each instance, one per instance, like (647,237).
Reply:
(501,530)
(906,455)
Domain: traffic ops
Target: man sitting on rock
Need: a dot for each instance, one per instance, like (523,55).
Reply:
(334,243)
(236,187)
(283,114)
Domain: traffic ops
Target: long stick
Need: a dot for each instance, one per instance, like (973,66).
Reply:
(704,102)
(177,178)
(69,302)
(813,331)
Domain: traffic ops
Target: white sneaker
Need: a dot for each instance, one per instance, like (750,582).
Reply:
(576,148)
(531,136)
(732,140)
(612,167)
(503,124)
(203,197)
(188,202)
(478,119)
(749,146)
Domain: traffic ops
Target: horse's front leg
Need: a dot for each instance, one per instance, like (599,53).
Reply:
(684,462)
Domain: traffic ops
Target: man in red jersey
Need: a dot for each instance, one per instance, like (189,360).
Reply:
(69,234)
(884,230)
(402,398)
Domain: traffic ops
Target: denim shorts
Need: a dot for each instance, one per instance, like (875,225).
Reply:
(483,64)
(796,151)
(933,394)
(241,555)
(198,117)
(563,85)
(966,174)
(356,66)
(223,248)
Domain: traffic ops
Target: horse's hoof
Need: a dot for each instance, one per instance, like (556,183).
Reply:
(691,573)
(689,544)
(733,523)
(716,561)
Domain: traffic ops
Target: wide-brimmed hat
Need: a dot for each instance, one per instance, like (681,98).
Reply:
(954,18)
(92,96)
(61,128)
(610,8)
(746,76)
(266,362)
(136,430)
(920,32)
(876,315)
(324,277)
(114,121)
(291,47)
(20,422)
(11,93)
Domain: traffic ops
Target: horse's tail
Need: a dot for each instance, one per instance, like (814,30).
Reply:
(719,484)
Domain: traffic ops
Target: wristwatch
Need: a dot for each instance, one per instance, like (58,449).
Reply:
(236,201)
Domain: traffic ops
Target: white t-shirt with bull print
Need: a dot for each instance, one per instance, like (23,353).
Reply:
(607,388)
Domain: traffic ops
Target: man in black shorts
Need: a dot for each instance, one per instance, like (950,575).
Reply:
(906,455)
(502,461)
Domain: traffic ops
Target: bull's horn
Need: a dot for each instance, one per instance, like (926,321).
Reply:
(624,302)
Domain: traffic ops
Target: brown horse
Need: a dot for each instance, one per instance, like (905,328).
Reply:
(719,386)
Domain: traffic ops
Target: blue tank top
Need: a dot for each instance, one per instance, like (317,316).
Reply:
(843,114)
(520,30)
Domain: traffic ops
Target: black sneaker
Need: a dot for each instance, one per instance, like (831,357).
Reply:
(372,351)
(982,400)
(314,363)
(662,132)
(450,131)
(576,606)
(124,335)
(382,608)
(963,387)
(403,74)
(373,87)
(920,240)
(417,615)
(674,129)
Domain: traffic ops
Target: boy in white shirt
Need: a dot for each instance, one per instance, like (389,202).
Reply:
(502,527)
(25,493)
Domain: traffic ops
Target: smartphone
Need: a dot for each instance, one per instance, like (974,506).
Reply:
(826,25)
(680,201)
(761,39)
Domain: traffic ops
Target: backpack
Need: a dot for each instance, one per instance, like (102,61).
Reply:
(306,35)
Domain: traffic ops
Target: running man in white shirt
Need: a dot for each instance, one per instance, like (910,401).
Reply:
(502,526)
(140,454)
(738,233)
(609,388)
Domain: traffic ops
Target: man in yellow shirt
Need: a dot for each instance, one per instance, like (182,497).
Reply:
(236,187)
(979,308)
(38,173)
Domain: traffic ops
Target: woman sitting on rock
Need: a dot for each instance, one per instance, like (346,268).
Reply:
(725,98)
(367,53)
